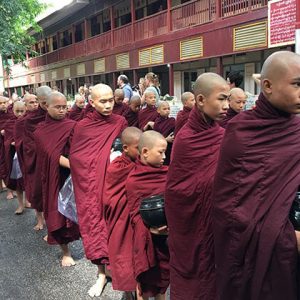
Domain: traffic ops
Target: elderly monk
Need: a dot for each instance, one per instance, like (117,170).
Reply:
(188,102)
(237,102)
(132,112)
(256,181)
(33,188)
(89,158)
(119,107)
(76,110)
(116,212)
(15,184)
(189,192)
(52,147)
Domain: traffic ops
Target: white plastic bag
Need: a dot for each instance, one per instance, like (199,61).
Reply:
(16,172)
(66,201)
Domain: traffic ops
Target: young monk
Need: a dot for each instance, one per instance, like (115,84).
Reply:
(188,102)
(89,158)
(76,110)
(4,117)
(165,125)
(256,181)
(52,147)
(132,112)
(9,145)
(149,114)
(150,251)
(116,212)
(33,188)
(119,107)
(189,192)
(237,102)
(88,109)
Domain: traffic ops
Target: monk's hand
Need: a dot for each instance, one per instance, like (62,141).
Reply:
(149,125)
(170,138)
(2,132)
(164,230)
(298,240)
(13,143)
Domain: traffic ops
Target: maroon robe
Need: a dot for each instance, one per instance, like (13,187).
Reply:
(120,233)
(33,187)
(52,141)
(13,184)
(120,109)
(182,118)
(85,111)
(75,113)
(150,252)
(229,115)
(10,108)
(89,158)
(256,181)
(131,117)
(188,208)
(4,116)
(147,114)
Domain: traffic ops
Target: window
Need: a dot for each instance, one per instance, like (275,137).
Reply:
(144,8)
(79,32)
(66,38)
(122,13)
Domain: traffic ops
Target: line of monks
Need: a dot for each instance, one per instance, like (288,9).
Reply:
(228,192)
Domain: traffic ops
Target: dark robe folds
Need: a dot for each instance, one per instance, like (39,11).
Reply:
(75,113)
(120,108)
(256,181)
(147,114)
(229,115)
(52,141)
(150,252)
(131,117)
(87,110)
(89,158)
(120,233)
(188,208)
(32,166)
(182,118)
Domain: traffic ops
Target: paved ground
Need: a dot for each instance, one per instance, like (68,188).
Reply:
(30,269)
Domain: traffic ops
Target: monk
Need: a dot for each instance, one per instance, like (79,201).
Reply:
(4,117)
(89,158)
(76,110)
(150,250)
(116,212)
(33,188)
(149,114)
(189,192)
(188,102)
(256,181)
(119,107)
(11,101)
(52,147)
(132,112)
(237,102)
(165,125)
(88,108)
(15,184)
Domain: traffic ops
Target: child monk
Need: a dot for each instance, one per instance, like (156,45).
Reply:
(132,112)
(165,125)
(76,110)
(149,114)
(116,212)
(150,251)
(89,158)
(188,102)
(15,184)
(119,107)
(52,147)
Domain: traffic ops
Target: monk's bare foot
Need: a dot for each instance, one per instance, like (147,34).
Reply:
(19,210)
(67,261)
(45,238)
(10,196)
(38,227)
(27,204)
(97,289)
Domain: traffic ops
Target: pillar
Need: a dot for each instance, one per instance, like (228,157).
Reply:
(220,66)
(171,79)
(297,33)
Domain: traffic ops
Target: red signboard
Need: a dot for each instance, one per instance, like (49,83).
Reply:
(281,22)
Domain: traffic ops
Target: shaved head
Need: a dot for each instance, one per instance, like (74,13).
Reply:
(162,103)
(101,89)
(130,135)
(186,96)
(3,99)
(19,108)
(119,93)
(207,82)
(237,92)
(28,97)
(149,139)
(19,104)
(135,99)
(55,95)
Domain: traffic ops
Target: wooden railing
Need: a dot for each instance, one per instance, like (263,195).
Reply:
(123,35)
(234,7)
(98,43)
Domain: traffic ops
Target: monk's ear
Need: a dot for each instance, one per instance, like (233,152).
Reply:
(125,148)
(92,102)
(267,86)
(200,100)
(144,152)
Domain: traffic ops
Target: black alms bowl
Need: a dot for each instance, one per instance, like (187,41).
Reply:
(295,212)
(117,145)
(152,211)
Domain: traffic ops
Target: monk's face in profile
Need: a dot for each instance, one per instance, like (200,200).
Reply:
(32,104)
(3,104)
(80,102)
(19,111)
(155,156)
(150,99)
(103,102)
(237,102)
(42,102)
(58,107)
(215,104)
(164,110)
(190,102)
(131,149)
(135,105)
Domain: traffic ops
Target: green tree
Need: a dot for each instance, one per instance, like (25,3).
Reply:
(16,18)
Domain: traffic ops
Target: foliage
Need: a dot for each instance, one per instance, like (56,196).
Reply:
(16,17)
